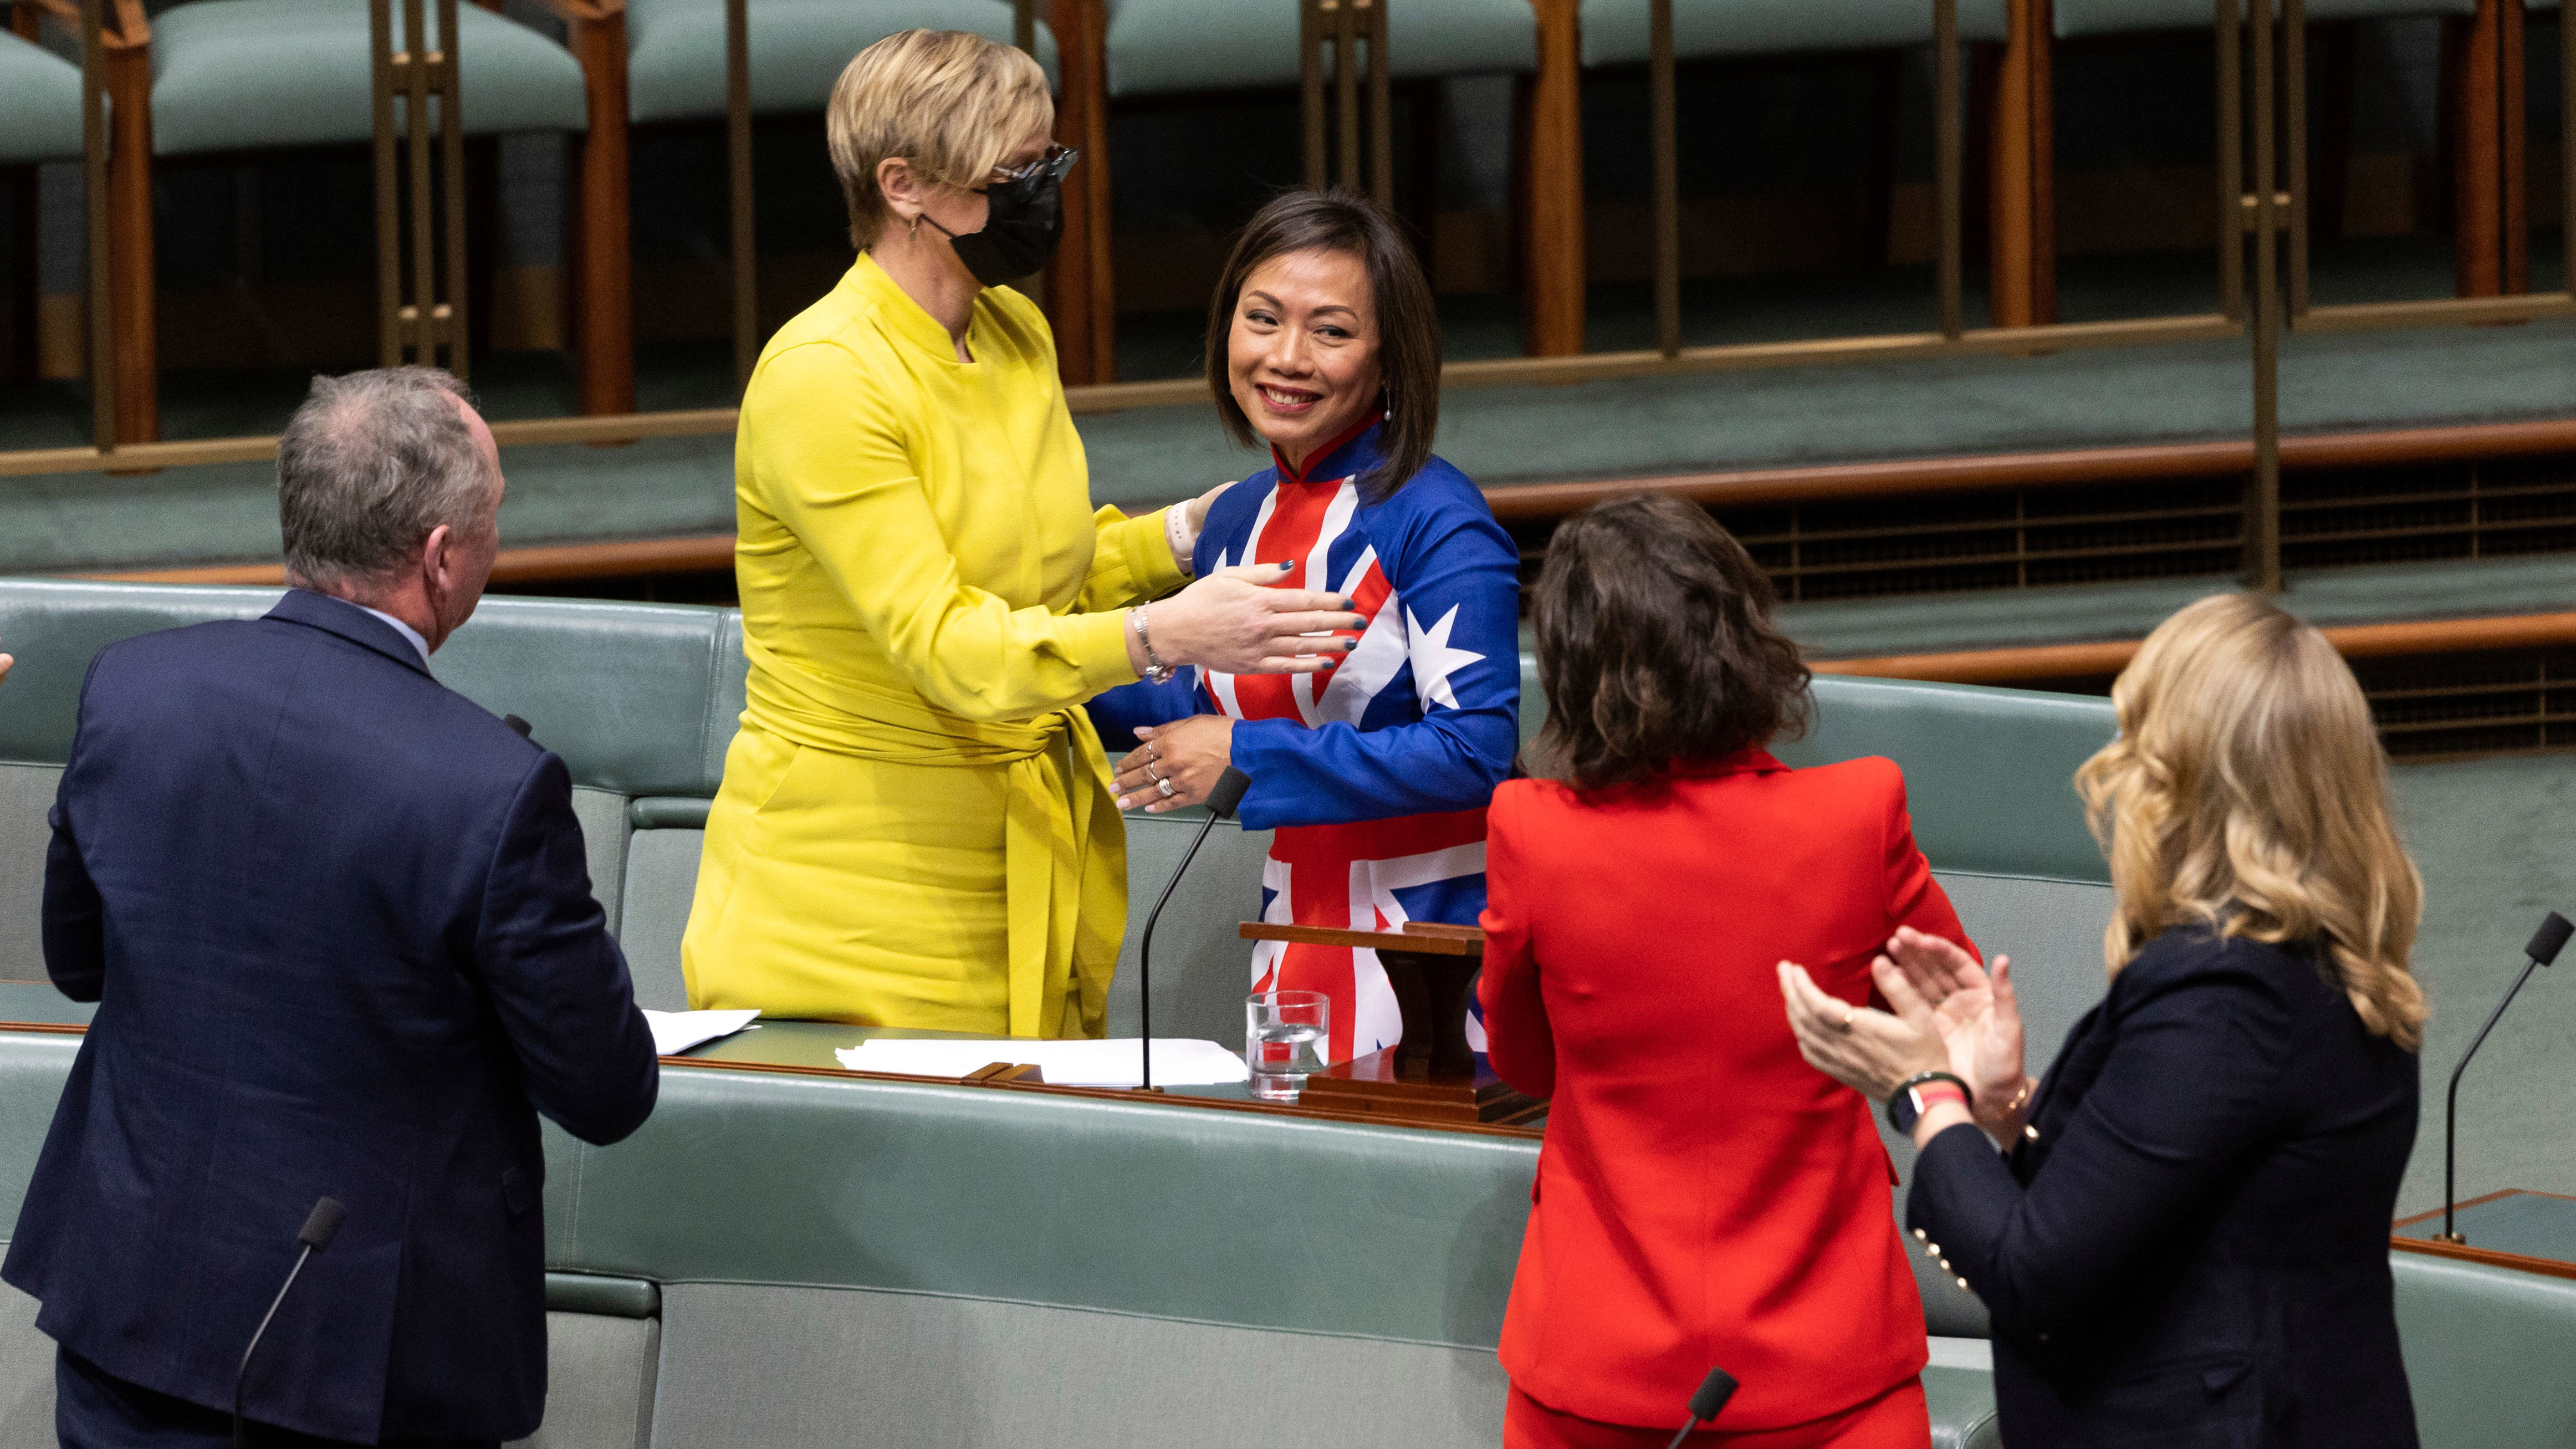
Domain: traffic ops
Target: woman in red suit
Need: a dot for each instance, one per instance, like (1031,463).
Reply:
(1704,1197)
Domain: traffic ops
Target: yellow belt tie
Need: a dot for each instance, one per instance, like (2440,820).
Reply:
(1064,848)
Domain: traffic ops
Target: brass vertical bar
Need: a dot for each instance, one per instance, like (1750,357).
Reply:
(1381,109)
(1346,89)
(2263,511)
(1024,25)
(424,254)
(380,28)
(1668,205)
(2231,162)
(102,303)
(2294,143)
(451,128)
(1949,164)
(746,258)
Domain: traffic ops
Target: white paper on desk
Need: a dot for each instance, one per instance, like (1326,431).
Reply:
(676,1031)
(1178,1061)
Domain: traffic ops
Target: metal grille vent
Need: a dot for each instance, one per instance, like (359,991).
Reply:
(2499,700)
(2459,510)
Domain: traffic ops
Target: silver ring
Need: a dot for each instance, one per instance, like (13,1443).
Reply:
(1150,770)
(1165,786)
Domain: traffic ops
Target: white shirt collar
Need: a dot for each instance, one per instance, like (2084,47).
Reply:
(418,644)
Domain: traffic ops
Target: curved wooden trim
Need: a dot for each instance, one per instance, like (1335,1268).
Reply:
(705,553)
(2079,661)
(1527,502)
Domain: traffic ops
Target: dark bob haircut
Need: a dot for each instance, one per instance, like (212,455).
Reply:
(1408,326)
(1656,647)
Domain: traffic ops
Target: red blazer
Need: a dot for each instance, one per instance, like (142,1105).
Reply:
(1704,1197)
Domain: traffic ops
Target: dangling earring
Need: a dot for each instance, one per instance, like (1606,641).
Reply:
(916,226)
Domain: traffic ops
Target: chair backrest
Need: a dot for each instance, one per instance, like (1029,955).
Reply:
(639,699)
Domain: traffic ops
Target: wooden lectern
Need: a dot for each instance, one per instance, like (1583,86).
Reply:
(1431,1075)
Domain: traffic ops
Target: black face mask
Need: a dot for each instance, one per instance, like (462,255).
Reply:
(1023,223)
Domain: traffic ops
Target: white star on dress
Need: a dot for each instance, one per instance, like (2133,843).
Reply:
(1434,661)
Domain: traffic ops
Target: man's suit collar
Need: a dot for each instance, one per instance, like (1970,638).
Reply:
(339,616)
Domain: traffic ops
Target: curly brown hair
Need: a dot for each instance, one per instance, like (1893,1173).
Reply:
(1656,647)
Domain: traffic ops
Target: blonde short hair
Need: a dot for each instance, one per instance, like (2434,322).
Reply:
(2248,792)
(950,102)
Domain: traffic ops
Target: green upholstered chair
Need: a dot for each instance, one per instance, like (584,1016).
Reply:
(675,49)
(2078,20)
(242,76)
(1617,33)
(40,105)
(1167,47)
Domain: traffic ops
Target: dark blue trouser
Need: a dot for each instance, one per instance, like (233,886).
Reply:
(94,1409)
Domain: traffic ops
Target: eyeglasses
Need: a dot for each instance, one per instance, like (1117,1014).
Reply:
(1051,167)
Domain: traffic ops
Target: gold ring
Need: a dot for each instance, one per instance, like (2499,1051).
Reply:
(1845,1023)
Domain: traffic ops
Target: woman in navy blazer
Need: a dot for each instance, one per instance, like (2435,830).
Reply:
(2186,1241)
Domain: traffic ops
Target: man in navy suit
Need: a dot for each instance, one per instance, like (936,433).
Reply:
(342,941)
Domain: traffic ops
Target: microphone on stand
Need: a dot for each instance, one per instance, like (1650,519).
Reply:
(1221,801)
(1713,1393)
(320,1227)
(2544,948)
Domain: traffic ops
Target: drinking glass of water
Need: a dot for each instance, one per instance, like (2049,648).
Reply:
(1283,1040)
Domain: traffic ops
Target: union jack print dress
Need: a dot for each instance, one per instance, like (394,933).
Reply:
(1374,773)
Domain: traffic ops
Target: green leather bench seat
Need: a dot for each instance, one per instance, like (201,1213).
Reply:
(231,75)
(1159,47)
(40,104)
(1615,32)
(675,49)
(2122,17)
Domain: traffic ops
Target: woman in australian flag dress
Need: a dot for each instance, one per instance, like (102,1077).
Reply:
(1374,774)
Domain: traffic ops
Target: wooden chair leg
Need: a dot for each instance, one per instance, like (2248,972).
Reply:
(2023,228)
(1553,270)
(604,292)
(1080,289)
(2477,179)
(2513,129)
(136,376)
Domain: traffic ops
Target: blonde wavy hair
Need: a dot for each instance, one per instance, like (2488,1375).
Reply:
(2248,792)
(949,101)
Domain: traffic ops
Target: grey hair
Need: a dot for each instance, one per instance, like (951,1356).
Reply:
(369,466)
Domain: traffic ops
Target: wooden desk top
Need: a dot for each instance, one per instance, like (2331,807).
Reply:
(1421,938)
(2533,1232)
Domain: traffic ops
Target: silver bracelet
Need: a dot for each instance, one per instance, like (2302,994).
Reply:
(1156,671)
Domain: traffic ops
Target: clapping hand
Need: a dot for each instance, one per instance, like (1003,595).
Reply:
(1868,1050)
(1979,1019)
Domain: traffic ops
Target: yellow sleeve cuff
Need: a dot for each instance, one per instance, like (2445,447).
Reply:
(1132,559)
(1099,646)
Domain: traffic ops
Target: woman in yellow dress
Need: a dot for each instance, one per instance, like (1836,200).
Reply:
(916,827)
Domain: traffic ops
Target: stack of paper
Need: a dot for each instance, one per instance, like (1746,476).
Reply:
(676,1031)
(1178,1062)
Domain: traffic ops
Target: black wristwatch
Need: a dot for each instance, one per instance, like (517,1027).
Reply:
(1904,1108)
